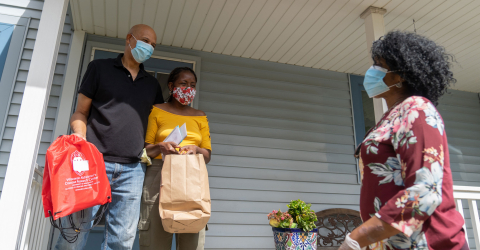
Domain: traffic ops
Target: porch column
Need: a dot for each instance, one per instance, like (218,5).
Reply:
(374,29)
(26,141)
(70,82)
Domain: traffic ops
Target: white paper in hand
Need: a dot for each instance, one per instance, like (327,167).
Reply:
(177,135)
(183,131)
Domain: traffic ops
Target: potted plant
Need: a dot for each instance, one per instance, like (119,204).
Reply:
(294,229)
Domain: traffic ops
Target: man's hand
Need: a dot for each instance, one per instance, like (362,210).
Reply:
(80,135)
(188,150)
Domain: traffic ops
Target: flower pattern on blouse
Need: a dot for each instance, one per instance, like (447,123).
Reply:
(391,170)
(420,183)
(417,241)
(428,188)
(433,118)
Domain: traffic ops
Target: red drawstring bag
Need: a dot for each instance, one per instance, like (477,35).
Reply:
(74,179)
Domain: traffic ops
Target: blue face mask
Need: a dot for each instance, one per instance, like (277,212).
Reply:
(373,81)
(142,51)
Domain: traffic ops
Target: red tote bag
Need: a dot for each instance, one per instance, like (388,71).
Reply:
(74,177)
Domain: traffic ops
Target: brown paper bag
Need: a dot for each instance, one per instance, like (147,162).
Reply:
(185,205)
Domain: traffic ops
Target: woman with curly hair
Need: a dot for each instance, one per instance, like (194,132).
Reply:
(406,198)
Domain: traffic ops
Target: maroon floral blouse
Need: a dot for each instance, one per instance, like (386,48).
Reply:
(407,181)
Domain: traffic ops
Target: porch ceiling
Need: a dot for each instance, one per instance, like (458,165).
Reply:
(324,34)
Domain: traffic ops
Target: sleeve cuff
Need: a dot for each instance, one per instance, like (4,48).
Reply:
(149,142)
(407,226)
(85,93)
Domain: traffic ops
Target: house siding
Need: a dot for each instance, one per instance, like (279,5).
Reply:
(33,11)
(278,133)
(461,114)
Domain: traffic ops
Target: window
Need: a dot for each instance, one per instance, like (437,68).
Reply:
(12,34)
(362,108)
(6,31)
(159,68)
(363,112)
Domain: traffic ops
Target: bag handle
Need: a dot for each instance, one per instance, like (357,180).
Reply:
(71,237)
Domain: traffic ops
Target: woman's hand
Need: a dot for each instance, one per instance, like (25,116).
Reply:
(350,244)
(193,150)
(189,150)
(165,148)
(371,231)
(168,148)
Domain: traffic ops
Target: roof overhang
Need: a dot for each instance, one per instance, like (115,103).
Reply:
(327,34)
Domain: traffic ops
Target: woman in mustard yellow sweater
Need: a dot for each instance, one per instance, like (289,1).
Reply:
(162,120)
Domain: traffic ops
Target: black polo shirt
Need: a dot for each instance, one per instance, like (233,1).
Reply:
(120,108)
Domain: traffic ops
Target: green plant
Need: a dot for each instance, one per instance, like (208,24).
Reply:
(302,214)
(299,215)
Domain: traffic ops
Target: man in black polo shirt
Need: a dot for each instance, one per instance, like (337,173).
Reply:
(114,102)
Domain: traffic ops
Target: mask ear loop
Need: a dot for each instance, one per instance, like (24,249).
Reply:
(398,85)
(129,42)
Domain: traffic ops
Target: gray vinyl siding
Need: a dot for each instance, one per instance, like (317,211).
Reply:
(278,133)
(34,12)
(461,113)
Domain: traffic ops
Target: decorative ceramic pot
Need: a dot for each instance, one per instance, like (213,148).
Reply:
(294,239)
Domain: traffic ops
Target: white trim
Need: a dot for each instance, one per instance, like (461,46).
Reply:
(374,29)
(466,188)
(460,210)
(466,192)
(16,20)
(153,56)
(472,207)
(70,82)
(471,194)
(379,107)
(26,142)
(24,4)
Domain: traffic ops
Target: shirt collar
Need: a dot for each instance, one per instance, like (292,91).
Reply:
(118,63)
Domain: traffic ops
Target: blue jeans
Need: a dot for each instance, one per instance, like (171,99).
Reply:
(121,217)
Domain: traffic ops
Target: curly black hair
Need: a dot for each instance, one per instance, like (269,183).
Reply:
(176,73)
(424,65)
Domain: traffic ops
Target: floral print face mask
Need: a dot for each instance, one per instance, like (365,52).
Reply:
(184,95)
